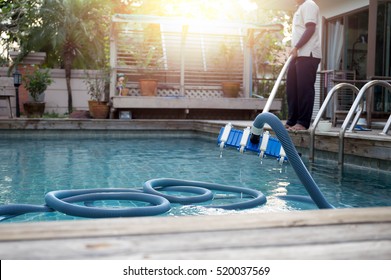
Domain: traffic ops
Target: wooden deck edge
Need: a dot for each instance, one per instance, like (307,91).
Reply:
(163,225)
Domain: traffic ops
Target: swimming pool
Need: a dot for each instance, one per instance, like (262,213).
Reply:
(32,166)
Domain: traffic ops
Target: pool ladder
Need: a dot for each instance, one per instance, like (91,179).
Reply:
(356,110)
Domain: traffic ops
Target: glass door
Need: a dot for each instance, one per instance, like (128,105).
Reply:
(356,40)
(382,97)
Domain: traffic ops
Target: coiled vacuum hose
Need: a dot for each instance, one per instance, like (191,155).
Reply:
(293,157)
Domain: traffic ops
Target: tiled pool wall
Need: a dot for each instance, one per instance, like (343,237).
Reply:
(48,134)
(99,134)
(364,162)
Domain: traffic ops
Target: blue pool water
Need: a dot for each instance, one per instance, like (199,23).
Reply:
(31,167)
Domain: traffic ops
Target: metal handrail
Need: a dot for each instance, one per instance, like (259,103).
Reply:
(257,96)
(351,112)
(276,85)
(329,96)
(386,127)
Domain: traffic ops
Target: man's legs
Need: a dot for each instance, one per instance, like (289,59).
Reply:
(291,93)
(306,68)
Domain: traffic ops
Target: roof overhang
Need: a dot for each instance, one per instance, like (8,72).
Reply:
(327,7)
(276,5)
(182,21)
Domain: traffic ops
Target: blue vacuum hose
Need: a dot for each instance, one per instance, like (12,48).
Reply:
(293,157)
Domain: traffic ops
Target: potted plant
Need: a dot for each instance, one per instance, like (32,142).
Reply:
(96,85)
(228,56)
(147,65)
(147,55)
(36,82)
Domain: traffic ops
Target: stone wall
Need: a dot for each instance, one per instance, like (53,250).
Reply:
(56,96)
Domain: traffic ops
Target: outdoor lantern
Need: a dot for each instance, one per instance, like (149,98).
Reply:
(17,83)
(17,78)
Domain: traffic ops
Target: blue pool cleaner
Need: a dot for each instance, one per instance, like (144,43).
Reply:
(266,145)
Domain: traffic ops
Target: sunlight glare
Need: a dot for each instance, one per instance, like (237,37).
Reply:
(205,9)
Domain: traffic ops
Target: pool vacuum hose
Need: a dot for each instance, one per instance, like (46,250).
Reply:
(293,157)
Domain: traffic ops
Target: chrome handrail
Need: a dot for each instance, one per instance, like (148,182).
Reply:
(276,85)
(356,118)
(329,96)
(386,127)
(257,96)
(351,112)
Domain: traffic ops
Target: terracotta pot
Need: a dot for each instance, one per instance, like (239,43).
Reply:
(100,110)
(34,109)
(148,87)
(230,89)
(90,103)
(124,92)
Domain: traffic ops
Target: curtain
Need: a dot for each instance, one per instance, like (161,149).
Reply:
(334,55)
(335,42)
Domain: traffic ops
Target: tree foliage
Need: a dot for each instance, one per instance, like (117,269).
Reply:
(17,17)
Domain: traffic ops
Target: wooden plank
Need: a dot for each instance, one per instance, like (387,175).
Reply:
(134,226)
(121,102)
(364,240)
(351,251)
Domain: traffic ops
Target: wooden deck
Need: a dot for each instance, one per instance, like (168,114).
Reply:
(152,107)
(363,233)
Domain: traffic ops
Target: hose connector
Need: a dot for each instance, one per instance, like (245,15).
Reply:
(256,134)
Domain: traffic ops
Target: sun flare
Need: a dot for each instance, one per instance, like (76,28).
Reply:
(206,9)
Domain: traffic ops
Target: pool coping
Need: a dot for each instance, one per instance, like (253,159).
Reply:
(359,233)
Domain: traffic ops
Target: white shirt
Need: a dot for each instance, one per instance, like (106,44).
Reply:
(307,12)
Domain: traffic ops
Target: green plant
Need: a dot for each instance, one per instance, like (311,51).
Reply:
(37,81)
(145,50)
(53,115)
(148,58)
(74,33)
(96,84)
(228,56)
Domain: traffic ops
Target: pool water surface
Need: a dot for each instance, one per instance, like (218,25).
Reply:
(29,168)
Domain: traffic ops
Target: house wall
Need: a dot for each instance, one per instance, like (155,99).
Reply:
(56,96)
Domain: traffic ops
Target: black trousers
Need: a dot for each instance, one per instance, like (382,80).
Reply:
(300,90)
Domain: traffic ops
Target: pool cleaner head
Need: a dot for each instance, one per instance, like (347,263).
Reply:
(256,134)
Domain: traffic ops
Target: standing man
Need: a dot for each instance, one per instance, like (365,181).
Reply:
(306,56)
